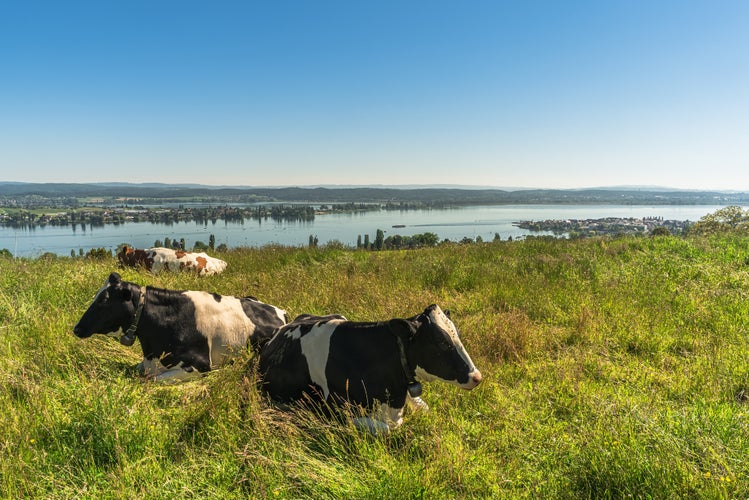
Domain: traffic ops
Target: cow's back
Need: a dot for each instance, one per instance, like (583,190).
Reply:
(208,265)
(159,259)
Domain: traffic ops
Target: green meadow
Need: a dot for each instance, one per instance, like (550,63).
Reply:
(613,367)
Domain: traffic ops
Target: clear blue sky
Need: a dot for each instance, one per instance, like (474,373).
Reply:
(554,94)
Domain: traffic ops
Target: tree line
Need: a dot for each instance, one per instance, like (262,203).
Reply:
(20,194)
(98,217)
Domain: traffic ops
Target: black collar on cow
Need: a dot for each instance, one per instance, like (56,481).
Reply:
(128,338)
(414,388)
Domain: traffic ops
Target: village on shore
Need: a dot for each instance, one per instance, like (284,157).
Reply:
(607,226)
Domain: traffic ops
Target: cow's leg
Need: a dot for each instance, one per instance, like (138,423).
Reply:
(417,404)
(385,419)
(141,367)
(150,367)
(371,425)
(153,369)
(177,374)
(156,267)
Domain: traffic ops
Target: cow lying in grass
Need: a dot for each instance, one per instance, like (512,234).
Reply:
(158,259)
(182,333)
(372,365)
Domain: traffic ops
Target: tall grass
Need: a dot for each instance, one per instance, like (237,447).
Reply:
(612,367)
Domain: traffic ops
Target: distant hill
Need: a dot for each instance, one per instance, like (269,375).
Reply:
(380,194)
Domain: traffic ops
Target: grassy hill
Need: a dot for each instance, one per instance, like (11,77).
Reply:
(612,367)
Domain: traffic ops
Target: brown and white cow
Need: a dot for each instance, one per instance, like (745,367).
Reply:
(158,258)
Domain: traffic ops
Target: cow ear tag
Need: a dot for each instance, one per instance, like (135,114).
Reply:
(414,390)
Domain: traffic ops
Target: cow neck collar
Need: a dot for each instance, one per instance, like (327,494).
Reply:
(128,338)
(414,388)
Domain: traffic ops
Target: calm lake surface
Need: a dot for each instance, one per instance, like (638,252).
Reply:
(453,224)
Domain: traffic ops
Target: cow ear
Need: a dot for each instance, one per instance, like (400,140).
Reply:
(447,312)
(114,278)
(428,311)
(402,328)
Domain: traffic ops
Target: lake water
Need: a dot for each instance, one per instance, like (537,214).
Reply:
(453,224)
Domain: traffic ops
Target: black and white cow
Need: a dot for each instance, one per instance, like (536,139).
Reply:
(373,365)
(182,333)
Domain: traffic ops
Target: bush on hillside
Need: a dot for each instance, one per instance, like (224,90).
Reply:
(731,219)
(98,254)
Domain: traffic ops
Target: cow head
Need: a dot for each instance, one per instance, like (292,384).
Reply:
(112,310)
(436,352)
(134,257)
(124,256)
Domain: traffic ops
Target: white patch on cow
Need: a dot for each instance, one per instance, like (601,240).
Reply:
(212,266)
(166,259)
(223,323)
(441,320)
(293,333)
(281,313)
(315,347)
(189,260)
(160,258)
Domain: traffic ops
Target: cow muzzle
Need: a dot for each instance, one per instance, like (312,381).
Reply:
(474,379)
(80,333)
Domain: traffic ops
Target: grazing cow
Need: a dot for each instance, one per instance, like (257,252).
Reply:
(182,333)
(158,258)
(372,365)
